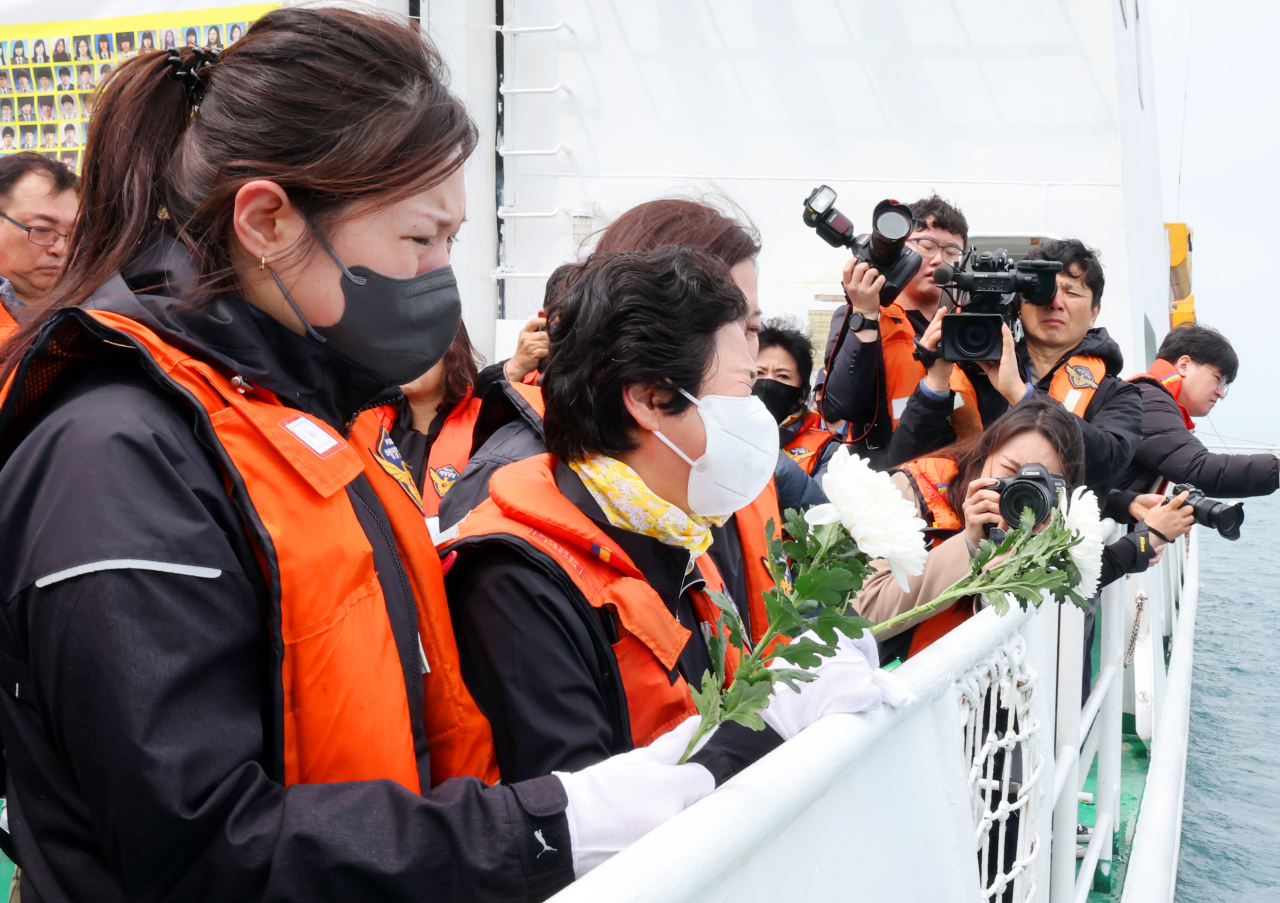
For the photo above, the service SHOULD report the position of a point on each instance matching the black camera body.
(1034, 487)
(973, 333)
(1225, 517)
(884, 247)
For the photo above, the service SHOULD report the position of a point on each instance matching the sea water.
(1231, 814)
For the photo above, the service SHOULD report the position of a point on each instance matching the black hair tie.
(191, 73)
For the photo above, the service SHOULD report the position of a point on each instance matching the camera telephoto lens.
(975, 339)
(893, 225)
(1022, 494)
(1224, 517)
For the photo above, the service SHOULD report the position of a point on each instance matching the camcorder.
(884, 247)
(972, 332)
(1034, 489)
(1225, 517)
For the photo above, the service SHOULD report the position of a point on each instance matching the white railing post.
(1107, 796)
(1152, 871)
(1062, 880)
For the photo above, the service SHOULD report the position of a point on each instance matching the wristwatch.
(859, 322)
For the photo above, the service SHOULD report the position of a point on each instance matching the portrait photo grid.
(50, 74)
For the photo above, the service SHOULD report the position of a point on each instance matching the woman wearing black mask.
(784, 371)
(238, 678)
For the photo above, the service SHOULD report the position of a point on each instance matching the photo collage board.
(50, 72)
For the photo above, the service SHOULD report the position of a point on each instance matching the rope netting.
(1005, 767)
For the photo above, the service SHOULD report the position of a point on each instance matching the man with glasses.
(1193, 369)
(871, 368)
(37, 209)
(1061, 354)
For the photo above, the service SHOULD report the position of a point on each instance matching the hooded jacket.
(148, 757)
(1170, 451)
(1111, 425)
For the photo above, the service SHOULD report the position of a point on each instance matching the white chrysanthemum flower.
(880, 520)
(1082, 520)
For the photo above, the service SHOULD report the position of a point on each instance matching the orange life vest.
(812, 437)
(1167, 375)
(346, 707)
(1074, 384)
(532, 394)
(448, 455)
(931, 476)
(8, 325)
(902, 372)
(525, 503)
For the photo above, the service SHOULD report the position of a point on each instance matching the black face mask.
(781, 400)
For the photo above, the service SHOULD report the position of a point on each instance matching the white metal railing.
(1153, 864)
(969, 795)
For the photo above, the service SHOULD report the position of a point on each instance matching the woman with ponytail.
(227, 666)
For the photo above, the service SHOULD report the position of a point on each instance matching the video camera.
(973, 333)
(1035, 488)
(1225, 517)
(884, 247)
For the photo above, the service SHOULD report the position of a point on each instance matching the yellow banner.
(49, 70)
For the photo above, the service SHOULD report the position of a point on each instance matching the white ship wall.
(1025, 113)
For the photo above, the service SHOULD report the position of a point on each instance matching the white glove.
(616, 802)
(850, 681)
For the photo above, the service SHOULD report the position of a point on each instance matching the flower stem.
(703, 730)
(948, 596)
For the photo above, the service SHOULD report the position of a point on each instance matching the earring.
(262, 264)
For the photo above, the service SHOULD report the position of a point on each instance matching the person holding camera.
(1061, 355)
(784, 368)
(957, 491)
(871, 370)
(1193, 370)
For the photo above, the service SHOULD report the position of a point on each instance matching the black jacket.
(537, 657)
(144, 756)
(1170, 451)
(1111, 426)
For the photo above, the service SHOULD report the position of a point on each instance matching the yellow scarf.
(631, 505)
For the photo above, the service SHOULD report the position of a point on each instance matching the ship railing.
(971, 794)
(1153, 862)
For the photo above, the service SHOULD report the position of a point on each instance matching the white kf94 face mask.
(742, 452)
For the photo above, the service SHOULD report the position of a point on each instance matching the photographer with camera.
(1192, 371)
(870, 368)
(1062, 355)
(966, 490)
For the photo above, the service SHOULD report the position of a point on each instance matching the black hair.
(1035, 415)
(1077, 259)
(1203, 345)
(935, 213)
(785, 333)
(14, 166)
(646, 318)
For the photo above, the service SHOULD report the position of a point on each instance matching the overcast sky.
(1228, 144)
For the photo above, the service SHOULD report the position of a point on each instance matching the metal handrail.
(558, 86)
(774, 791)
(1153, 863)
(504, 151)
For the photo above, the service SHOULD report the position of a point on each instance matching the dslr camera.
(973, 332)
(1225, 517)
(1033, 488)
(884, 247)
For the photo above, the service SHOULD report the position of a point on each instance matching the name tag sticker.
(312, 436)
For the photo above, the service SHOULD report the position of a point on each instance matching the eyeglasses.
(37, 235)
(1223, 386)
(928, 247)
